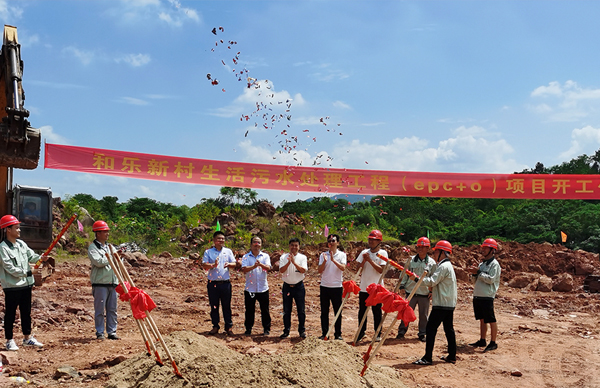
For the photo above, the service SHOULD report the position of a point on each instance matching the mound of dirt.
(207, 363)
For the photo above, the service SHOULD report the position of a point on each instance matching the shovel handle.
(64, 229)
(394, 264)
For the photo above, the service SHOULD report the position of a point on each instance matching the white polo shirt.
(369, 274)
(291, 274)
(332, 276)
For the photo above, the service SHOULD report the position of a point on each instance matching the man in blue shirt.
(217, 261)
(256, 264)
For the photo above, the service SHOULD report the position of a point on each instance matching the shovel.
(364, 318)
(389, 329)
(337, 315)
(148, 317)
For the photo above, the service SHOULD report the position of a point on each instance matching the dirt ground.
(546, 339)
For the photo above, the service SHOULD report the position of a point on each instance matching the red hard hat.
(100, 225)
(490, 242)
(376, 235)
(8, 220)
(423, 242)
(444, 246)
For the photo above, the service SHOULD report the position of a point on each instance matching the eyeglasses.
(331, 240)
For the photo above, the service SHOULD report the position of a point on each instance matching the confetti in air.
(272, 110)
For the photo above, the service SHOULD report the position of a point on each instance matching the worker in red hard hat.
(418, 264)
(17, 281)
(487, 282)
(372, 268)
(443, 302)
(104, 283)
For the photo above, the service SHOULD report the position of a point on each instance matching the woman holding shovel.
(17, 281)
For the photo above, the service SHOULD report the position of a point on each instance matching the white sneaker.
(32, 342)
(11, 345)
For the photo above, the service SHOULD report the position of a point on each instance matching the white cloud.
(265, 155)
(9, 13)
(170, 12)
(26, 40)
(85, 57)
(583, 141)
(50, 136)
(340, 104)
(265, 94)
(133, 101)
(471, 149)
(159, 97)
(327, 73)
(134, 60)
(565, 103)
(55, 85)
(553, 89)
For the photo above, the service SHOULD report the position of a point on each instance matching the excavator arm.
(19, 143)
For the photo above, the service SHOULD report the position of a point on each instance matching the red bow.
(390, 301)
(140, 301)
(350, 286)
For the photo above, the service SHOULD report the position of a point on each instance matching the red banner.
(318, 179)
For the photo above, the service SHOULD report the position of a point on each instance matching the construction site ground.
(546, 339)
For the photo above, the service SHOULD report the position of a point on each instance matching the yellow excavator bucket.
(19, 142)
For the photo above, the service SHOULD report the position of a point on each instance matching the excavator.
(20, 148)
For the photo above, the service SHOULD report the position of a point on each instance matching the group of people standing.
(437, 286)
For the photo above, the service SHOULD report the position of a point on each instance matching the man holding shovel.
(217, 261)
(443, 283)
(17, 281)
(418, 264)
(293, 266)
(372, 268)
(256, 264)
(104, 281)
(331, 267)
(487, 281)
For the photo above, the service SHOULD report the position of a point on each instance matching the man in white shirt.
(372, 267)
(331, 267)
(256, 264)
(293, 266)
(217, 261)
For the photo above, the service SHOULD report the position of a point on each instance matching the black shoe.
(214, 331)
(400, 336)
(100, 336)
(266, 332)
(303, 335)
(478, 344)
(448, 359)
(422, 338)
(322, 337)
(284, 335)
(113, 336)
(339, 338)
(422, 361)
(248, 332)
(491, 346)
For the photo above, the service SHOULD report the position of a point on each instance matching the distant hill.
(352, 198)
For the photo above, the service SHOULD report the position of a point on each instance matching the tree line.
(463, 221)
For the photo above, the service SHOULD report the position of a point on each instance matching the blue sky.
(446, 86)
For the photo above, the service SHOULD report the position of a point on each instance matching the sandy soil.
(545, 339)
